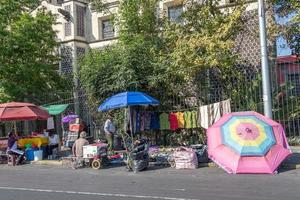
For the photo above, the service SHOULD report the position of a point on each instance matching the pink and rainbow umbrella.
(247, 142)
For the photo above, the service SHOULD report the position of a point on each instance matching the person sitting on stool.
(12, 148)
(53, 144)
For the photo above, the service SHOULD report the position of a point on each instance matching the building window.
(68, 23)
(66, 60)
(294, 81)
(174, 13)
(80, 13)
(107, 29)
(80, 52)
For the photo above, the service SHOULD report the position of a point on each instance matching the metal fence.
(244, 88)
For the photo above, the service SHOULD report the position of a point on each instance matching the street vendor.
(12, 147)
(77, 148)
(53, 143)
(109, 129)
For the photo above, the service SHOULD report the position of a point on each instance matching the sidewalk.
(292, 162)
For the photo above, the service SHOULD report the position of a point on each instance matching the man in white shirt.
(109, 129)
(53, 144)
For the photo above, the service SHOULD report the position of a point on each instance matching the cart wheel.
(96, 164)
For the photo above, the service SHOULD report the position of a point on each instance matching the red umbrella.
(15, 111)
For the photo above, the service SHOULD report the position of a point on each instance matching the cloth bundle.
(201, 152)
(185, 158)
(139, 156)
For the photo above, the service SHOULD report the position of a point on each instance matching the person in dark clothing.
(12, 147)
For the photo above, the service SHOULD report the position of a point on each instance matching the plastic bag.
(185, 158)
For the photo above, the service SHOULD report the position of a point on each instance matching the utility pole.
(267, 98)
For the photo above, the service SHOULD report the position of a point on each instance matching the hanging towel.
(134, 121)
(216, 114)
(194, 119)
(50, 123)
(154, 123)
(147, 120)
(164, 121)
(173, 121)
(203, 116)
(188, 119)
(180, 119)
(142, 118)
(226, 106)
(138, 121)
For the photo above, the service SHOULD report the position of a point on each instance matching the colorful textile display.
(164, 121)
(209, 114)
(188, 119)
(173, 121)
(194, 119)
(180, 119)
(154, 124)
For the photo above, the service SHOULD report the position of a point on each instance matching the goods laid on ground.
(185, 158)
(201, 152)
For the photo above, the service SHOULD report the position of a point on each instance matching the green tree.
(205, 38)
(134, 62)
(28, 47)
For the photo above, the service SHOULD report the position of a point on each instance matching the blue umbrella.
(126, 99)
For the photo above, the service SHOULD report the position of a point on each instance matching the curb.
(47, 162)
(290, 166)
(201, 165)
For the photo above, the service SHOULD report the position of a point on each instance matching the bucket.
(45, 153)
(38, 155)
(29, 154)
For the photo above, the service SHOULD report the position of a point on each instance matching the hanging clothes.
(164, 121)
(154, 122)
(142, 119)
(138, 121)
(180, 119)
(188, 119)
(209, 114)
(173, 121)
(134, 121)
(147, 120)
(226, 106)
(50, 123)
(203, 116)
(194, 119)
(215, 113)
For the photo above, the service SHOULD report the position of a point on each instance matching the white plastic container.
(38, 155)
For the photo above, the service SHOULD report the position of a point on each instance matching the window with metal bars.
(174, 13)
(67, 25)
(80, 17)
(107, 29)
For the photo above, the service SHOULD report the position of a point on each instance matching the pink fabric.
(185, 158)
(231, 162)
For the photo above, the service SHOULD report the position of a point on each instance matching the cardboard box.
(94, 150)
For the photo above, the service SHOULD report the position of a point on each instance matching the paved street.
(31, 182)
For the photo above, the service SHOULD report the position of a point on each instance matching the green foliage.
(27, 51)
(205, 39)
(134, 62)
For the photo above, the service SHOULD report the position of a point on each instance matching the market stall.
(19, 111)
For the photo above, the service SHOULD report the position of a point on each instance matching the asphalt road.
(31, 182)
